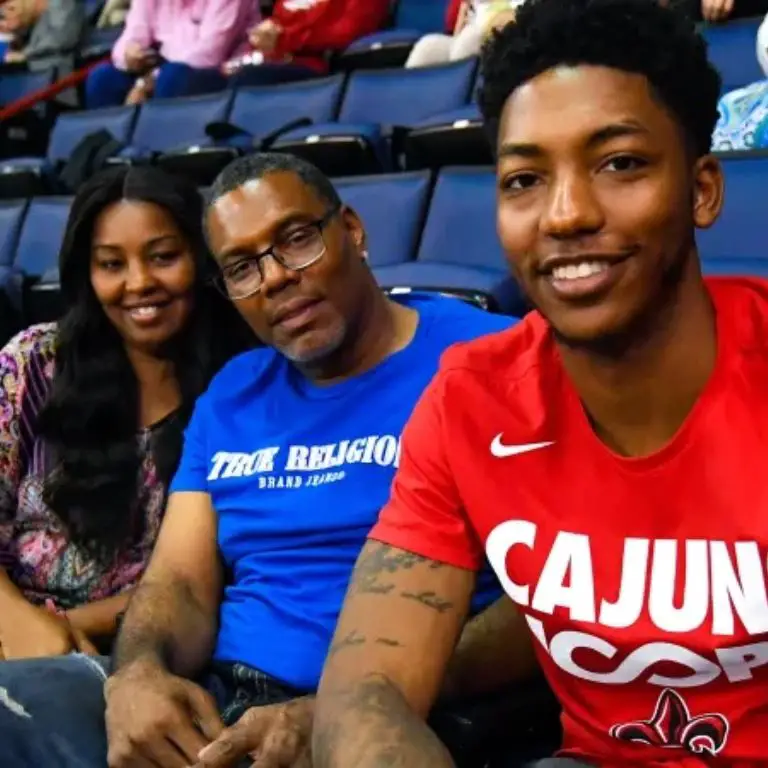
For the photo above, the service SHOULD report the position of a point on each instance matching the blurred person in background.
(44, 33)
(471, 21)
(171, 48)
(294, 42)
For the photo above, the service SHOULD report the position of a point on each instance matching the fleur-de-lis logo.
(672, 725)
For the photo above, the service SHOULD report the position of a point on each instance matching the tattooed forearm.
(430, 599)
(371, 726)
(354, 639)
(376, 567)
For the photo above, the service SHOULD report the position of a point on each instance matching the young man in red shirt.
(608, 454)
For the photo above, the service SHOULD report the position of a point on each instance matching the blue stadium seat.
(740, 230)
(27, 132)
(376, 102)
(460, 252)
(257, 116)
(166, 124)
(37, 257)
(738, 266)
(453, 137)
(98, 43)
(29, 176)
(731, 49)
(16, 85)
(390, 48)
(11, 217)
(382, 200)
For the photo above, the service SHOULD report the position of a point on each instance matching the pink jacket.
(201, 33)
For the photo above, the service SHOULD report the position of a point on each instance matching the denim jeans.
(52, 710)
(107, 86)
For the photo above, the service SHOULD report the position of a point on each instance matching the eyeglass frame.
(219, 280)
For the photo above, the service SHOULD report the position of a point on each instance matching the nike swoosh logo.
(502, 450)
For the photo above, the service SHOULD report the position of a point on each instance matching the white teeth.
(149, 311)
(576, 271)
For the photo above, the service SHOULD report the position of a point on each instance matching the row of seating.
(341, 122)
(445, 238)
(370, 121)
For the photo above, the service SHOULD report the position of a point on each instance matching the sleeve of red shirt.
(424, 514)
(452, 15)
(331, 25)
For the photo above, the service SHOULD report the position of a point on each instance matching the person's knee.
(428, 50)
(106, 86)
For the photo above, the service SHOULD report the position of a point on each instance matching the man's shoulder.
(509, 355)
(453, 321)
(243, 372)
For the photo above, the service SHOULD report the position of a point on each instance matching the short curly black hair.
(638, 36)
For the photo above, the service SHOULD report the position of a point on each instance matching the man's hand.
(264, 36)
(15, 57)
(141, 91)
(154, 718)
(716, 10)
(275, 736)
(139, 60)
(36, 632)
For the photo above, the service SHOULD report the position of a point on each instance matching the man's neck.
(638, 401)
(383, 328)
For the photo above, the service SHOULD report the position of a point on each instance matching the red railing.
(46, 94)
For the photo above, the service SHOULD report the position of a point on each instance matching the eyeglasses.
(296, 249)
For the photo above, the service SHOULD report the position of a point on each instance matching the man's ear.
(708, 191)
(354, 225)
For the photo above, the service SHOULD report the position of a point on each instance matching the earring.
(364, 254)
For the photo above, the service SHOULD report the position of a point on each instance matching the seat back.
(261, 110)
(20, 84)
(731, 48)
(165, 124)
(11, 217)
(461, 223)
(740, 229)
(421, 15)
(41, 235)
(72, 127)
(406, 96)
(384, 199)
(738, 266)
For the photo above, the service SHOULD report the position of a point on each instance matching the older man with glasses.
(288, 458)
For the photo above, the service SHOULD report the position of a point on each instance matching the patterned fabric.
(34, 548)
(743, 122)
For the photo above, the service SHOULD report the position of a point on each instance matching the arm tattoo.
(430, 599)
(381, 561)
(354, 638)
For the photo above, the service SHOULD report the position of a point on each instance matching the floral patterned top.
(34, 548)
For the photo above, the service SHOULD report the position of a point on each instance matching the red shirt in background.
(313, 27)
(452, 15)
(643, 581)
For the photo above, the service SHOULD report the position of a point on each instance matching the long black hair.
(90, 419)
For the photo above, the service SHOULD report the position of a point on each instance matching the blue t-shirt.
(297, 474)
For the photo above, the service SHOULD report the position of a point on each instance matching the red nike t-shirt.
(643, 581)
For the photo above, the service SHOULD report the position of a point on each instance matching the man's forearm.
(166, 625)
(371, 725)
(494, 650)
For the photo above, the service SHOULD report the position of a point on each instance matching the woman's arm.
(99, 618)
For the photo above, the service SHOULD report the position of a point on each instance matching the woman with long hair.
(92, 408)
